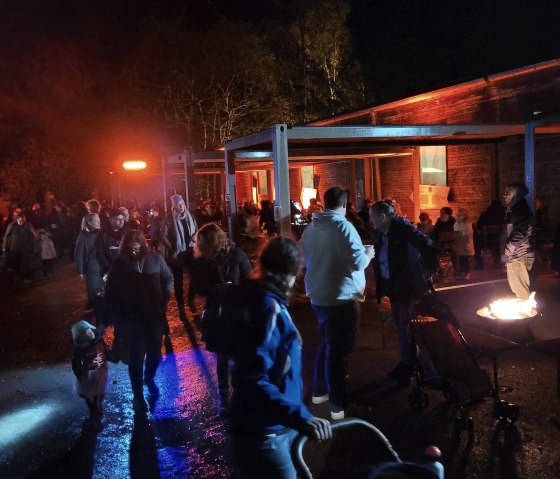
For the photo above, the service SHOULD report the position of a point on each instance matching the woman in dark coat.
(92, 260)
(138, 289)
(217, 260)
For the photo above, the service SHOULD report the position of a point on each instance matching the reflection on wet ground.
(44, 434)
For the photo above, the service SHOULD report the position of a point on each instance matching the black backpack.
(225, 322)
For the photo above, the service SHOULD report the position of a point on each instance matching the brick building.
(466, 175)
(476, 174)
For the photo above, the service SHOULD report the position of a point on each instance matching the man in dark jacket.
(518, 240)
(177, 236)
(405, 259)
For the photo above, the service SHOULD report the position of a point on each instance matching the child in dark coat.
(89, 363)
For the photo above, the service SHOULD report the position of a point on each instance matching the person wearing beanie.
(518, 240)
(47, 253)
(89, 364)
(177, 236)
(114, 232)
(266, 408)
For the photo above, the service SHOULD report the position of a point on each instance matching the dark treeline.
(86, 84)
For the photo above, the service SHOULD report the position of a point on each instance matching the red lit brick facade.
(476, 173)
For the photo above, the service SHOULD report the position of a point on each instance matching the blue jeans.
(338, 325)
(265, 455)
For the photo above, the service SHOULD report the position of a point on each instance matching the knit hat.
(79, 333)
(124, 211)
(115, 212)
(177, 199)
(281, 256)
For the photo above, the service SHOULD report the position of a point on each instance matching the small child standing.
(47, 253)
(464, 246)
(89, 363)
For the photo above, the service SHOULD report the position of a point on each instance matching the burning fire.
(512, 308)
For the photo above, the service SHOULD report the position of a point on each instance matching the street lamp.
(134, 165)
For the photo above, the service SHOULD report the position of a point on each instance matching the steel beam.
(398, 131)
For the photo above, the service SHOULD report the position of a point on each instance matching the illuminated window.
(433, 165)
(263, 183)
(307, 177)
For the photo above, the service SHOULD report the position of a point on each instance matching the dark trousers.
(22, 260)
(222, 368)
(338, 325)
(183, 262)
(47, 266)
(144, 341)
(402, 311)
(464, 264)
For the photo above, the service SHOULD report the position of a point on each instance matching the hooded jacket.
(267, 375)
(518, 235)
(335, 259)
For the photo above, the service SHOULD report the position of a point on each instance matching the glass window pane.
(433, 165)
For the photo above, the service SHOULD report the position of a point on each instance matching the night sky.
(404, 47)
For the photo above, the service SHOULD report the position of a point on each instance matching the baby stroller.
(446, 362)
(393, 467)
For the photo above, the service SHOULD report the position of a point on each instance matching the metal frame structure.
(336, 142)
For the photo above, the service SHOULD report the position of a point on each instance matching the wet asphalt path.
(44, 432)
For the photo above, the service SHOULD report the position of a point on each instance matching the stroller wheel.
(418, 400)
(511, 413)
(470, 429)
(458, 427)
(499, 410)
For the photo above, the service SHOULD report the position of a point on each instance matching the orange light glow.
(134, 165)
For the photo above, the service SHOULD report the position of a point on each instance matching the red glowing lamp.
(134, 165)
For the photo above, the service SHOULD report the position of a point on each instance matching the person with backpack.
(266, 408)
(217, 261)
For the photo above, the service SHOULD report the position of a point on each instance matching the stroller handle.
(301, 439)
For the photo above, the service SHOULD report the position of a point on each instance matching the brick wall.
(509, 98)
(332, 174)
(295, 183)
(243, 183)
(547, 169)
(396, 182)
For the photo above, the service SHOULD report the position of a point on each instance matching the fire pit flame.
(508, 309)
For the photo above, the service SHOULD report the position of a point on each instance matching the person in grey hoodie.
(335, 259)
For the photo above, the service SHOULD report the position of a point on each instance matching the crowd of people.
(129, 284)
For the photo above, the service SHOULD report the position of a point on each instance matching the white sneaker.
(320, 399)
(336, 416)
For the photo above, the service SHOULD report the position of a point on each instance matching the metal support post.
(231, 197)
(164, 183)
(281, 178)
(530, 163)
(190, 190)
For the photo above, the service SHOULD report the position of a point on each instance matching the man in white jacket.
(335, 259)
